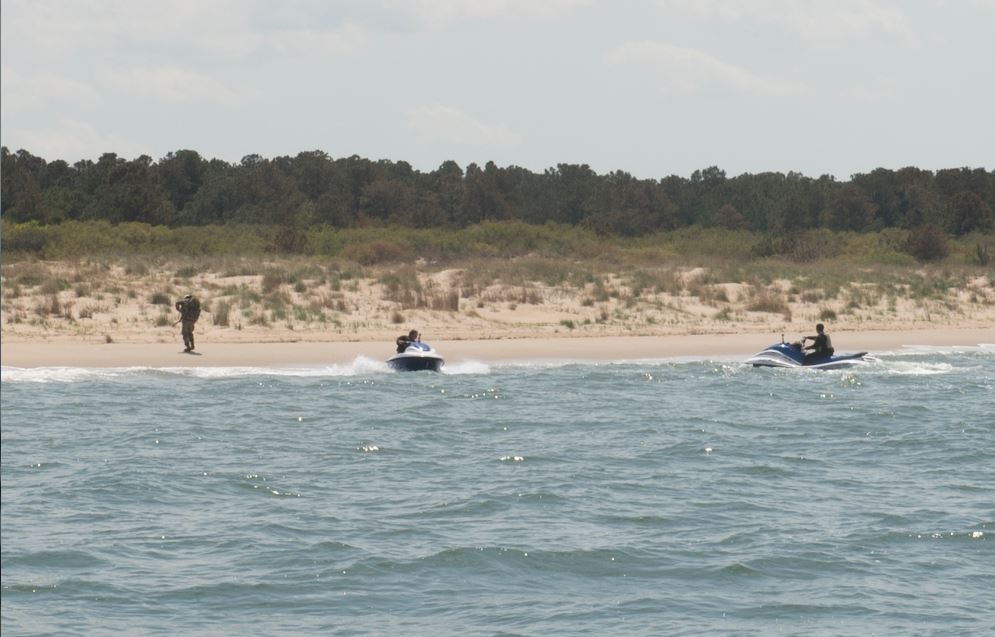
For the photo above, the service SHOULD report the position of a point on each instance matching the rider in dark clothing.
(404, 340)
(821, 345)
(189, 309)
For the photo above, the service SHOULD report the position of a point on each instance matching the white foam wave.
(360, 366)
(905, 368)
(938, 350)
(730, 361)
(466, 367)
(64, 374)
(893, 362)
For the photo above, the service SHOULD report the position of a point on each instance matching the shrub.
(695, 241)
(26, 274)
(373, 252)
(530, 296)
(159, 298)
(221, 313)
(811, 296)
(981, 253)
(729, 217)
(49, 306)
(768, 301)
(401, 284)
(136, 268)
(273, 278)
(448, 301)
(811, 245)
(324, 240)
(187, 271)
(30, 237)
(54, 285)
(927, 243)
(767, 246)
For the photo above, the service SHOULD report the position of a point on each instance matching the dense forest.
(312, 189)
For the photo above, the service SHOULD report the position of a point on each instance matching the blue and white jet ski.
(793, 355)
(417, 357)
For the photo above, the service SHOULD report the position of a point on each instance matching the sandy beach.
(305, 354)
(300, 313)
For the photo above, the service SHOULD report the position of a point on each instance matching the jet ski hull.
(792, 355)
(418, 357)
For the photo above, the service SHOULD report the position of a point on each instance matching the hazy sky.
(654, 87)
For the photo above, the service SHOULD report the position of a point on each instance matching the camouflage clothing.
(189, 309)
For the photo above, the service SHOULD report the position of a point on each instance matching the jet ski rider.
(404, 340)
(821, 345)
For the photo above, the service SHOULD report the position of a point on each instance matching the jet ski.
(793, 355)
(416, 357)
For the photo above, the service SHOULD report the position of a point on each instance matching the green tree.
(881, 187)
(729, 217)
(482, 196)
(920, 206)
(385, 200)
(849, 209)
(181, 175)
(447, 184)
(970, 213)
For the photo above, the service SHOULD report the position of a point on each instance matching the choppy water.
(644, 498)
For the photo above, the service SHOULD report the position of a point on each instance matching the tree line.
(313, 189)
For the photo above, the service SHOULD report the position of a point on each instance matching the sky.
(653, 88)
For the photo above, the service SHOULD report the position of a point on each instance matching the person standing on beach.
(821, 345)
(189, 309)
(404, 340)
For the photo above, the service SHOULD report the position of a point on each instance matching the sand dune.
(100, 315)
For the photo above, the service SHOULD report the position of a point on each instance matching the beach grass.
(550, 280)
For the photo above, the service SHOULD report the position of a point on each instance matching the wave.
(466, 367)
(926, 360)
(987, 349)
(67, 374)
(904, 368)
(895, 362)
(360, 366)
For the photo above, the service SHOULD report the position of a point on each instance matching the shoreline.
(594, 349)
(302, 311)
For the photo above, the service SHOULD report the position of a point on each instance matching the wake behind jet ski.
(414, 356)
(823, 356)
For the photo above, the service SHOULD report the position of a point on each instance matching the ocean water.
(678, 497)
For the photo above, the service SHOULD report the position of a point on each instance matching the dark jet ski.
(793, 355)
(416, 357)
